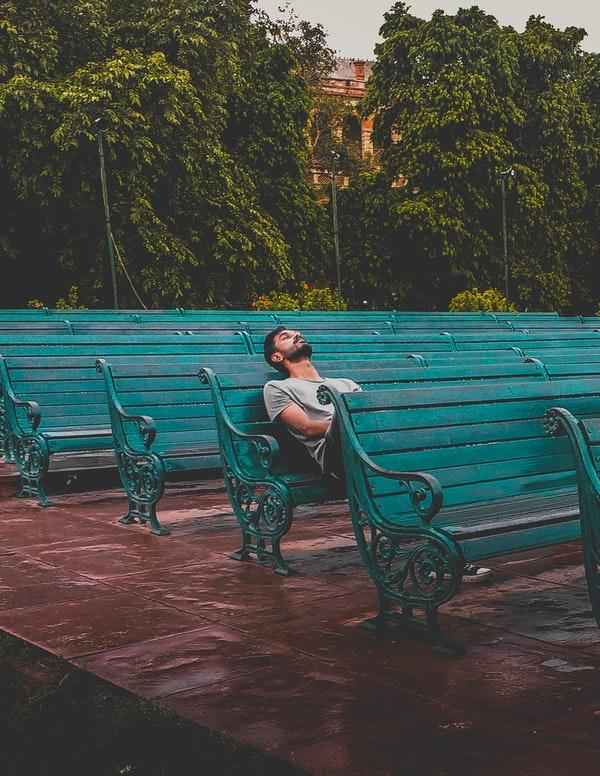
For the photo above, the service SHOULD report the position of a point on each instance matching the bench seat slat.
(486, 547)
(69, 421)
(490, 490)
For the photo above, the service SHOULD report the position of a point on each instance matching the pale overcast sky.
(353, 25)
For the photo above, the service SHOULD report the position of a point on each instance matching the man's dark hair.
(269, 348)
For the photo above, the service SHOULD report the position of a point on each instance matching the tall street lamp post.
(109, 236)
(335, 157)
(504, 175)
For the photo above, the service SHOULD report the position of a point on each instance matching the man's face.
(291, 346)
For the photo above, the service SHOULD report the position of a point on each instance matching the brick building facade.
(347, 82)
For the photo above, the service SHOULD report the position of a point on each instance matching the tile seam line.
(132, 574)
(185, 611)
(71, 658)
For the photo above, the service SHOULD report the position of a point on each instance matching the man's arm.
(295, 418)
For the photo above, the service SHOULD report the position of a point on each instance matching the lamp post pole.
(109, 236)
(336, 234)
(503, 176)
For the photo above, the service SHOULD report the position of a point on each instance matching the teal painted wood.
(163, 420)
(57, 327)
(572, 355)
(492, 340)
(263, 493)
(364, 344)
(443, 473)
(49, 348)
(58, 404)
(328, 327)
(52, 345)
(266, 472)
(120, 315)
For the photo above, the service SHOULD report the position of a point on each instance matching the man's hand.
(295, 418)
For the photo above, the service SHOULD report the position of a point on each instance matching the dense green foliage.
(305, 297)
(210, 112)
(458, 99)
(472, 300)
(204, 106)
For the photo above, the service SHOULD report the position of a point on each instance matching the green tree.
(195, 213)
(457, 99)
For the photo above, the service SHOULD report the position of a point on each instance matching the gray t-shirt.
(279, 394)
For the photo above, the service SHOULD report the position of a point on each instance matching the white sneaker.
(472, 573)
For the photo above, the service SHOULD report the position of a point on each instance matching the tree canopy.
(458, 99)
(209, 112)
(203, 106)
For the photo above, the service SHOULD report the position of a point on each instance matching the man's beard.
(303, 351)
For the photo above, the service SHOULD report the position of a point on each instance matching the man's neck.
(303, 370)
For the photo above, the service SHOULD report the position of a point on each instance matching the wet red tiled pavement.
(282, 664)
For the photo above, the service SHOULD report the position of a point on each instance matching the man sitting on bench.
(294, 403)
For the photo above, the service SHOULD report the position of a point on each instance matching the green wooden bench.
(41, 350)
(366, 345)
(267, 473)
(53, 400)
(163, 421)
(460, 341)
(162, 427)
(437, 476)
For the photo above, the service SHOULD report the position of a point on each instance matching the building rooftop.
(352, 69)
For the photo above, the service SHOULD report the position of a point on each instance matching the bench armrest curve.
(266, 446)
(559, 420)
(425, 490)
(32, 408)
(145, 424)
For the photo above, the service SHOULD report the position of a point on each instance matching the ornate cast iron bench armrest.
(427, 499)
(425, 490)
(560, 421)
(32, 408)
(146, 424)
(264, 443)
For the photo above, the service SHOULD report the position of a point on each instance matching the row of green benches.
(242, 342)
(173, 326)
(100, 322)
(156, 408)
(32, 354)
(422, 319)
(436, 474)
(277, 316)
(59, 405)
(47, 350)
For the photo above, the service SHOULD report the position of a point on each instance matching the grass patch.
(56, 720)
